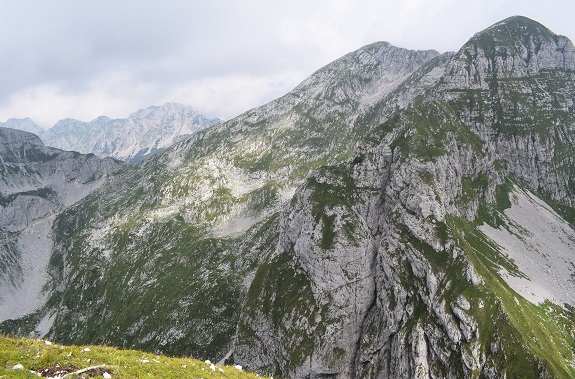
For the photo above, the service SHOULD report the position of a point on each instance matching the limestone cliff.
(380, 270)
(37, 183)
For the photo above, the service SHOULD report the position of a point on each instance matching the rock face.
(361, 226)
(513, 85)
(142, 134)
(37, 183)
(375, 271)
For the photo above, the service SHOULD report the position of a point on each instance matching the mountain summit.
(398, 214)
(25, 124)
(514, 47)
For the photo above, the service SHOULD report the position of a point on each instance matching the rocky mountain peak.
(372, 68)
(25, 124)
(17, 145)
(16, 138)
(517, 28)
(514, 47)
(496, 81)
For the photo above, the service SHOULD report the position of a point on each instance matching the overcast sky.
(82, 59)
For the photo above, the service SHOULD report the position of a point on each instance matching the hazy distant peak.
(25, 124)
(131, 139)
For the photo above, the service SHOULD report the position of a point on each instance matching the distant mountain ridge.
(25, 124)
(130, 139)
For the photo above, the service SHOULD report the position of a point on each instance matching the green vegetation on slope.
(425, 132)
(181, 289)
(282, 290)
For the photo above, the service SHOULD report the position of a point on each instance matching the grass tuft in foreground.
(31, 358)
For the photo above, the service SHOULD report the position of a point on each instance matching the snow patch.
(542, 245)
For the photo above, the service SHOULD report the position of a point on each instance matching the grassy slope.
(36, 355)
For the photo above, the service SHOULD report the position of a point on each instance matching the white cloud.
(114, 94)
(230, 95)
(117, 94)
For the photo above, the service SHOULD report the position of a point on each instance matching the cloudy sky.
(82, 59)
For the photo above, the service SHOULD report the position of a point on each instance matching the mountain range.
(399, 213)
(131, 139)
